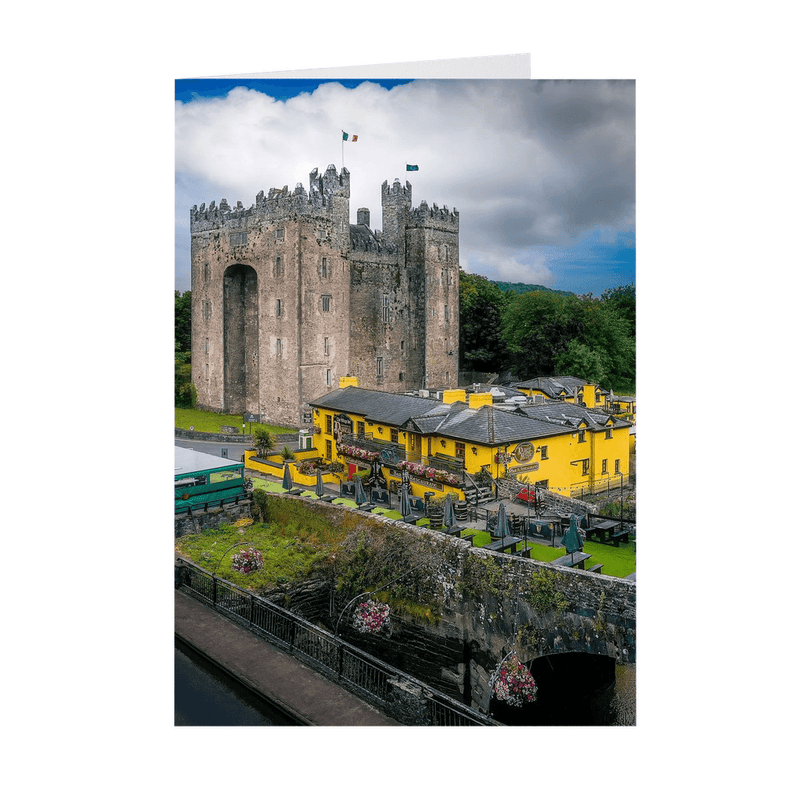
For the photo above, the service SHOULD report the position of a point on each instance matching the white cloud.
(526, 164)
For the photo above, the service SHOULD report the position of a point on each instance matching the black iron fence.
(398, 694)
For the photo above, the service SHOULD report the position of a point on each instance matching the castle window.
(205, 272)
(278, 266)
(326, 302)
(238, 239)
(278, 348)
(326, 346)
(206, 348)
(446, 313)
(321, 233)
(279, 308)
(402, 344)
(328, 378)
(401, 376)
(386, 308)
(324, 269)
(380, 367)
(206, 371)
(279, 234)
(447, 253)
(206, 310)
(449, 277)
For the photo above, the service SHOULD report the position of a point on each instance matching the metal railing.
(322, 651)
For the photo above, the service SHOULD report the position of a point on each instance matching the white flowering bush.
(248, 560)
(515, 684)
(371, 616)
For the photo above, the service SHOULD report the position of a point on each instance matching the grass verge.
(210, 422)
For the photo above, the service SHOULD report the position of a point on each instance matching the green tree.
(264, 440)
(482, 344)
(183, 322)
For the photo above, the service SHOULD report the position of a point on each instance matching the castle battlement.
(442, 218)
(277, 204)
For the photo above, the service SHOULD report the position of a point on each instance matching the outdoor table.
(508, 542)
(412, 519)
(366, 506)
(575, 560)
(455, 529)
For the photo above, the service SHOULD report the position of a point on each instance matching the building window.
(380, 367)
(460, 449)
(585, 466)
(581, 436)
(386, 308)
(324, 268)
(608, 433)
(616, 466)
(328, 423)
(206, 350)
(279, 234)
(326, 346)
(544, 452)
(279, 308)
(604, 466)
(395, 436)
(328, 378)
(279, 348)
(328, 450)
(278, 266)
(402, 344)
(448, 273)
(360, 429)
(326, 302)
(206, 371)
(206, 311)
(321, 233)
(401, 376)
(446, 313)
(205, 272)
(238, 239)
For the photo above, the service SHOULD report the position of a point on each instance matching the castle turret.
(395, 206)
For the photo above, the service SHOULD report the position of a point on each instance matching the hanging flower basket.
(514, 683)
(371, 616)
(248, 560)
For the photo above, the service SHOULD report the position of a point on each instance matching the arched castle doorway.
(240, 339)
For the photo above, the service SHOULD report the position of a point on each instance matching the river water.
(204, 695)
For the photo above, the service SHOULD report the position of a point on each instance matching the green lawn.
(617, 561)
(209, 422)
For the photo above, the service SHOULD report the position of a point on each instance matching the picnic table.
(601, 529)
(575, 560)
(413, 519)
(506, 543)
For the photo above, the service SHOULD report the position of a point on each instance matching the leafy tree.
(183, 322)
(623, 300)
(482, 345)
(264, 441)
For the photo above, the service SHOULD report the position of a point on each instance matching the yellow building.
(445, 444)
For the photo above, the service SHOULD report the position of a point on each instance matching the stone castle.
(288, 297)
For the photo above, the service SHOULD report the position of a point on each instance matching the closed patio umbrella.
(361, 495)
(501, 529)
(320, 485)
(572, 539)
(449, 512)
(405, 503)
(288, 483)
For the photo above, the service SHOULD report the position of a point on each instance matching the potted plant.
(287, 454)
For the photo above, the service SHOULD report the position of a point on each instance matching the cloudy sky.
(542, 173)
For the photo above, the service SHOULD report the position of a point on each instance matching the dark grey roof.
(571, 413)
(555, 385)
(392, 409)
